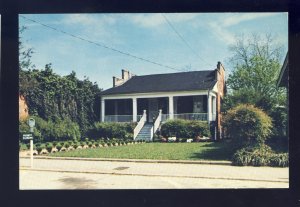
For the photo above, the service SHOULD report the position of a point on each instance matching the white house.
(152, 99)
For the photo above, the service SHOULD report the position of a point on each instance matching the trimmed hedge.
(260, 155)
(185, 128)
(111, 130)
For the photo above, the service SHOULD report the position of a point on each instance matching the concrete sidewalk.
(214, 162)
(158, 169)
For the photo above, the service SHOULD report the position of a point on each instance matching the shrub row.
(69, 145)
(260, 155)
(111, 130)
(185, 129)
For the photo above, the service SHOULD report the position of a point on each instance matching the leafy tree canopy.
(256, 65)
(53, 97)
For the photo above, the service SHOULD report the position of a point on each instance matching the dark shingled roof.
(184, 81)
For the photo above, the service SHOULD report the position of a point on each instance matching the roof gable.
(184, 81)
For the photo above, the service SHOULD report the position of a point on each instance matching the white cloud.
(221, 33)
(220, 27)
(238, 18)
(157, 19)
(89, 19)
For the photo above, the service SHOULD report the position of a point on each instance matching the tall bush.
(185, 128)
(247, 124)
(58, 130)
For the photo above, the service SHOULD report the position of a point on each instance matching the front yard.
(160, 151)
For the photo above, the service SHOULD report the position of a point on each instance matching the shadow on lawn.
(215, 151)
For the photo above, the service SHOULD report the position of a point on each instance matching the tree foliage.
(256, 64)
(53, 97)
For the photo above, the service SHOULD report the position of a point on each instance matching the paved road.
(79, 174)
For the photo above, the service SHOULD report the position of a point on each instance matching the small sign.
(27, 136)
(31, 122)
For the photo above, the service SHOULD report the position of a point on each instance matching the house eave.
(155, 94)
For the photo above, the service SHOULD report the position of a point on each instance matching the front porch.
(189, 107)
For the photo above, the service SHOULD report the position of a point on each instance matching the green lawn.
(163, 151)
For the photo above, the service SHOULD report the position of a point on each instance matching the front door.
(153, 109)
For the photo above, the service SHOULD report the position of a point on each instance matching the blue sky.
(207, 37)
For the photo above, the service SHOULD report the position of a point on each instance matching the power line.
(100, 44)
(181, 37)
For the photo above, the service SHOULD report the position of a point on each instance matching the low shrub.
(185, 128)
(49, 147)
(58, 146)
(259, 155)
(280, 160)
(241, 157)
(75, 145)
(54, 143)
(40, 147)
(66, 145)
(22, 146)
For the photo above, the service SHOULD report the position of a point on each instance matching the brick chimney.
(220, 77)
(126, 75)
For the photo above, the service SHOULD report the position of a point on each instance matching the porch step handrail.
(156, 124)
(140, 125)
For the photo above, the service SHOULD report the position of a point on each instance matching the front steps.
(145, 133)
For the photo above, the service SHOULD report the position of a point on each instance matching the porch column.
(102, 110)
(171, 107)
(214, 109)
(134, 110)
(208, 107)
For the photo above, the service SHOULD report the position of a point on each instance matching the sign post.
(31, 123)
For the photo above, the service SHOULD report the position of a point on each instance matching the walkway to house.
(58, 174)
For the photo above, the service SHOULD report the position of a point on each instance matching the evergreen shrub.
(111, 130)
(185, 128)
(246, 124)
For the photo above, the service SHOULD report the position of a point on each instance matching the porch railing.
(192, 116)
(140, 125)
(164, 117)
(118, 118)
(156, 124)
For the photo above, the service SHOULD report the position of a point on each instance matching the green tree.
(25, 53)
(256, 64)
(53, 97)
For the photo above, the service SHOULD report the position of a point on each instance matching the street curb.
(148, 175)
(135, 160)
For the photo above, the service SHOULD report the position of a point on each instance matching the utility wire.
(181, 37)
(100, 44)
